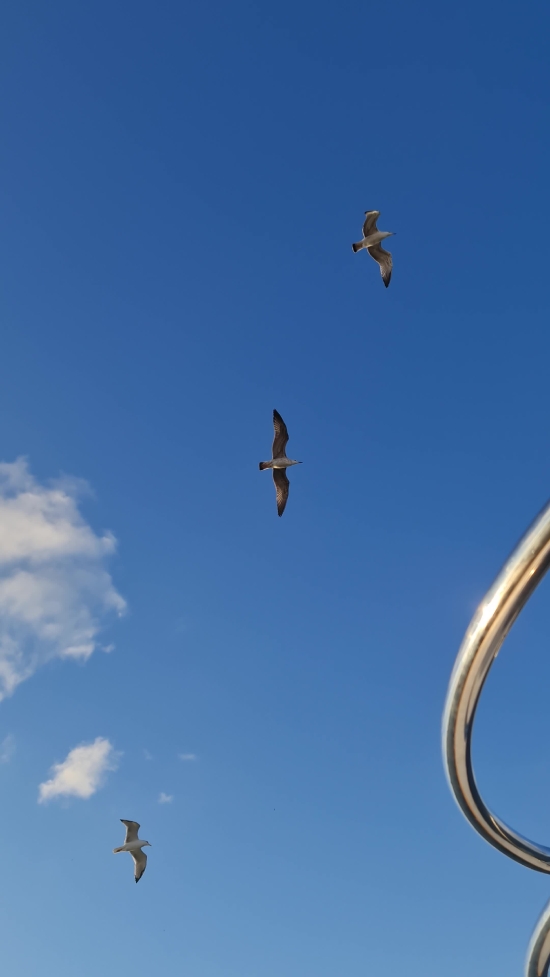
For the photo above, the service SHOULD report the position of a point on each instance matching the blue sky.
(180, 187)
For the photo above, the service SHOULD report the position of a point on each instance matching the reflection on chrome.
(538, 952)
(493, 619)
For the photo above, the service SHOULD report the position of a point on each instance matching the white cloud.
(188, 756)
(165, 798)
(7, 748)
(82, 772)
(54, 588)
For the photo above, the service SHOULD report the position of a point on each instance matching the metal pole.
(490, 624)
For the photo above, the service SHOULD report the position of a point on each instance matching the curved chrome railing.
(493, 619)
(538, 951)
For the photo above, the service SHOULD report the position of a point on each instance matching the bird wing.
(281, 436)
(282, 486)
(132, 828)
(140, 863)
(384, 259)
(371, 216)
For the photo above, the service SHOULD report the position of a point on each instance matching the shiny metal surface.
(488, 628)
(494, 617)
(538, 951)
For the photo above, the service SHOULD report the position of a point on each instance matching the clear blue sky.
(179, 189)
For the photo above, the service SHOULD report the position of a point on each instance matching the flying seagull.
(279, 462)
(133, 844)
(371, 241)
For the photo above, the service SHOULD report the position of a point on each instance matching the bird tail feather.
(264, 464)
(357, 247)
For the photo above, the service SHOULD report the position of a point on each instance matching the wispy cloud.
(54, 588)
(165, 798)
(7, 748)
(188, 756)
(147, 755)
(82, 772)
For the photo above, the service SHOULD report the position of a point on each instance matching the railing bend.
(494, 617)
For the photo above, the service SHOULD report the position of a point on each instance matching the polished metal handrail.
(538, 951)
(493, 619)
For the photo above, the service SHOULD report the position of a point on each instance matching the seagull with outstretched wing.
(371, 241)
(279, 462)
(134, 845)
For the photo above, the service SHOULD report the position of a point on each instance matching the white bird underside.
(132, 828)
(132, 845)
(140, 863)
